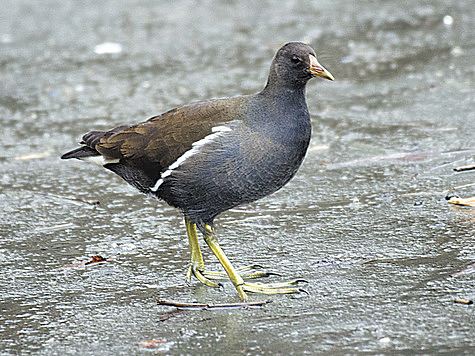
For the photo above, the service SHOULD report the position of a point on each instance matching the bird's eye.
(295, 59)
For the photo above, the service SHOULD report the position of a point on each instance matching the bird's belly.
(219, 179)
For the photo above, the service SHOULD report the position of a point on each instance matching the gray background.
(364, 221)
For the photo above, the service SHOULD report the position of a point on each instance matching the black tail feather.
(80, 152)
(92, 138)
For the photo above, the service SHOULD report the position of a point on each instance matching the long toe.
(274, 288)
(254, 273)
(201, 277)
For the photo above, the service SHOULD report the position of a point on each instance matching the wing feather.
(161, 140)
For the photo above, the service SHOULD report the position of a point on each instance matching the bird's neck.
(285, 97)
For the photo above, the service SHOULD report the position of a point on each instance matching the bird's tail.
(90, 140)
(81, 153)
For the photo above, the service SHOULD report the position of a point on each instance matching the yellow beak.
(318, 70)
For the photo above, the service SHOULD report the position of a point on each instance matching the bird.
(210, 156)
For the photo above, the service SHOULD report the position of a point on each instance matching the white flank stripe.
(99, 160)
(195, 148)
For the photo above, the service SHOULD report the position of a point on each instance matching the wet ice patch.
(448, 20)
(6, 38)
(108, 48)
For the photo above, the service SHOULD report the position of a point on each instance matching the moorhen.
(210, 156)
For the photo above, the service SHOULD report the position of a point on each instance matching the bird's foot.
(247, 272)
(274, 288)
(208, 277)
(202, 276)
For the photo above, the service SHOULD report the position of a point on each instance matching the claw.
(274, 274)
(256, 266)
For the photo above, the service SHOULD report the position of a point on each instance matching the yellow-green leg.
(237, 280)
(211, 240)
(197, 265)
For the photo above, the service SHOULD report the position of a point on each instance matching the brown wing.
(160, 140)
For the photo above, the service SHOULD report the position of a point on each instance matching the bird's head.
(295, 63)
